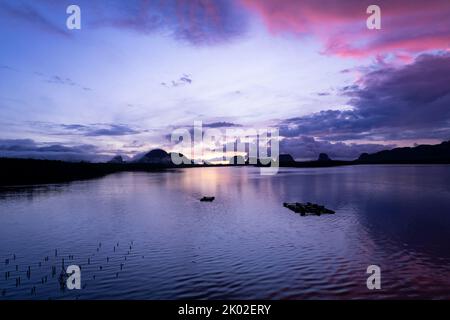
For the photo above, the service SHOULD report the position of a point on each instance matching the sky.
(139, 69)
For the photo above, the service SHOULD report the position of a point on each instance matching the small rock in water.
(207, 199)
(307, 208)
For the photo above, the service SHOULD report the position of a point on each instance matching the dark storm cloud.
(406, 102)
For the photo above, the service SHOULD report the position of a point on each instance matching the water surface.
(147, 236)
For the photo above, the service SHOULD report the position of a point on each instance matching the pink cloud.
(408, 26)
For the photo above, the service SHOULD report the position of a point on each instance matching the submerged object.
(307, 208)
(207, 199)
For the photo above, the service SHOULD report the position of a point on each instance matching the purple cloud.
(100, 129)
(30, 14)
(391, 102)
(27, 148)
(87, 130)
(198, 22)
(195, 21)
(221, 124)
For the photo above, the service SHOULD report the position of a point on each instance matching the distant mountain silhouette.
(15, 171)
(116, 159)
(439, 153)
(323, 157)
(161, 157)
(423, 154)
(285, 158)
(156, 156)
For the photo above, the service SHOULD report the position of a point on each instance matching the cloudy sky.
(139, 69)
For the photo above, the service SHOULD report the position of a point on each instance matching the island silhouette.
(18, 171)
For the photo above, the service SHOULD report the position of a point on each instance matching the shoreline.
(25, 172)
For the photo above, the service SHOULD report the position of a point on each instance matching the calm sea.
(147, 235)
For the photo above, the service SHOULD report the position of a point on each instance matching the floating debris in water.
(307, 208)
(207, 199)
